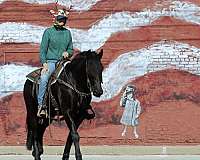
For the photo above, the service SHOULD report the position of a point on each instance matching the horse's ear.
(100, 54)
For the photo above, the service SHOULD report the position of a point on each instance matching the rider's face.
(60, 23)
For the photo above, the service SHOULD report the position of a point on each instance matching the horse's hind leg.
(36, 151)
(32, 136)
(40, 132)
(33, 139)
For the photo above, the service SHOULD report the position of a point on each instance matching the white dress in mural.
(131, 112)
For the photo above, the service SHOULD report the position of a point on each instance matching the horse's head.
(94, 70)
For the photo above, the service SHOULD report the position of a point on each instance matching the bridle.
(88, 80)
(72, 86)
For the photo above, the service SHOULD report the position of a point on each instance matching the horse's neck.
(77, 76)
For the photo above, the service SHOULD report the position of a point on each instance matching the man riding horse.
(56, 43)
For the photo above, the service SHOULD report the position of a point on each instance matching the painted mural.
(152, 44)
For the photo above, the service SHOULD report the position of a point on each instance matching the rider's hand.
(45, 68)
(65, 54)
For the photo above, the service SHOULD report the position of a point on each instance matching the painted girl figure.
(132, 110)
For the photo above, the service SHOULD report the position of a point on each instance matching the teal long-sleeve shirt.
(54, 43)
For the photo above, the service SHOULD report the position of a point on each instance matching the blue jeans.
(44, 78)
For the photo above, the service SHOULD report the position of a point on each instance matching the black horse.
(72, 92)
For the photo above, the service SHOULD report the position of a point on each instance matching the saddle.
(34, 76)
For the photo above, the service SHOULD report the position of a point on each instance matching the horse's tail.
(29, 107)
(29, 139)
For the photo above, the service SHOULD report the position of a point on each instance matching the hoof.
(79, 157)
(33, 153)
(40, 153)
(65, 157)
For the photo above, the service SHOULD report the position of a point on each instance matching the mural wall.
(152, 44)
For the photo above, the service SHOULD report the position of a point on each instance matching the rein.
(73, 88)
(70, 85)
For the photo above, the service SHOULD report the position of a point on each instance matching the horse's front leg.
(69, 140)
(74, 134)
(67, 147)
(36, 152)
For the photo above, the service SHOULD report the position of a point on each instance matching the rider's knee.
(44, 78)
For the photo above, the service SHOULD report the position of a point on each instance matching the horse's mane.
(83, 55)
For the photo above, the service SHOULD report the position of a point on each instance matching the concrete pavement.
(109, 150)
(105, 157)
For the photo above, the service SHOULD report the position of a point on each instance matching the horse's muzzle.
(97, 93)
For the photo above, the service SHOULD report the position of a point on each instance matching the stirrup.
(42, 112)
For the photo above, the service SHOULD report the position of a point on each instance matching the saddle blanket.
(35, 75)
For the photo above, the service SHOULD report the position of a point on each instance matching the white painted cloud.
(13, 77)
(99, 33)
(134, 64)
(20, 32)
(125, 68)
(79, 5)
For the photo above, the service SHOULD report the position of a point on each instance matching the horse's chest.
(83, 101)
